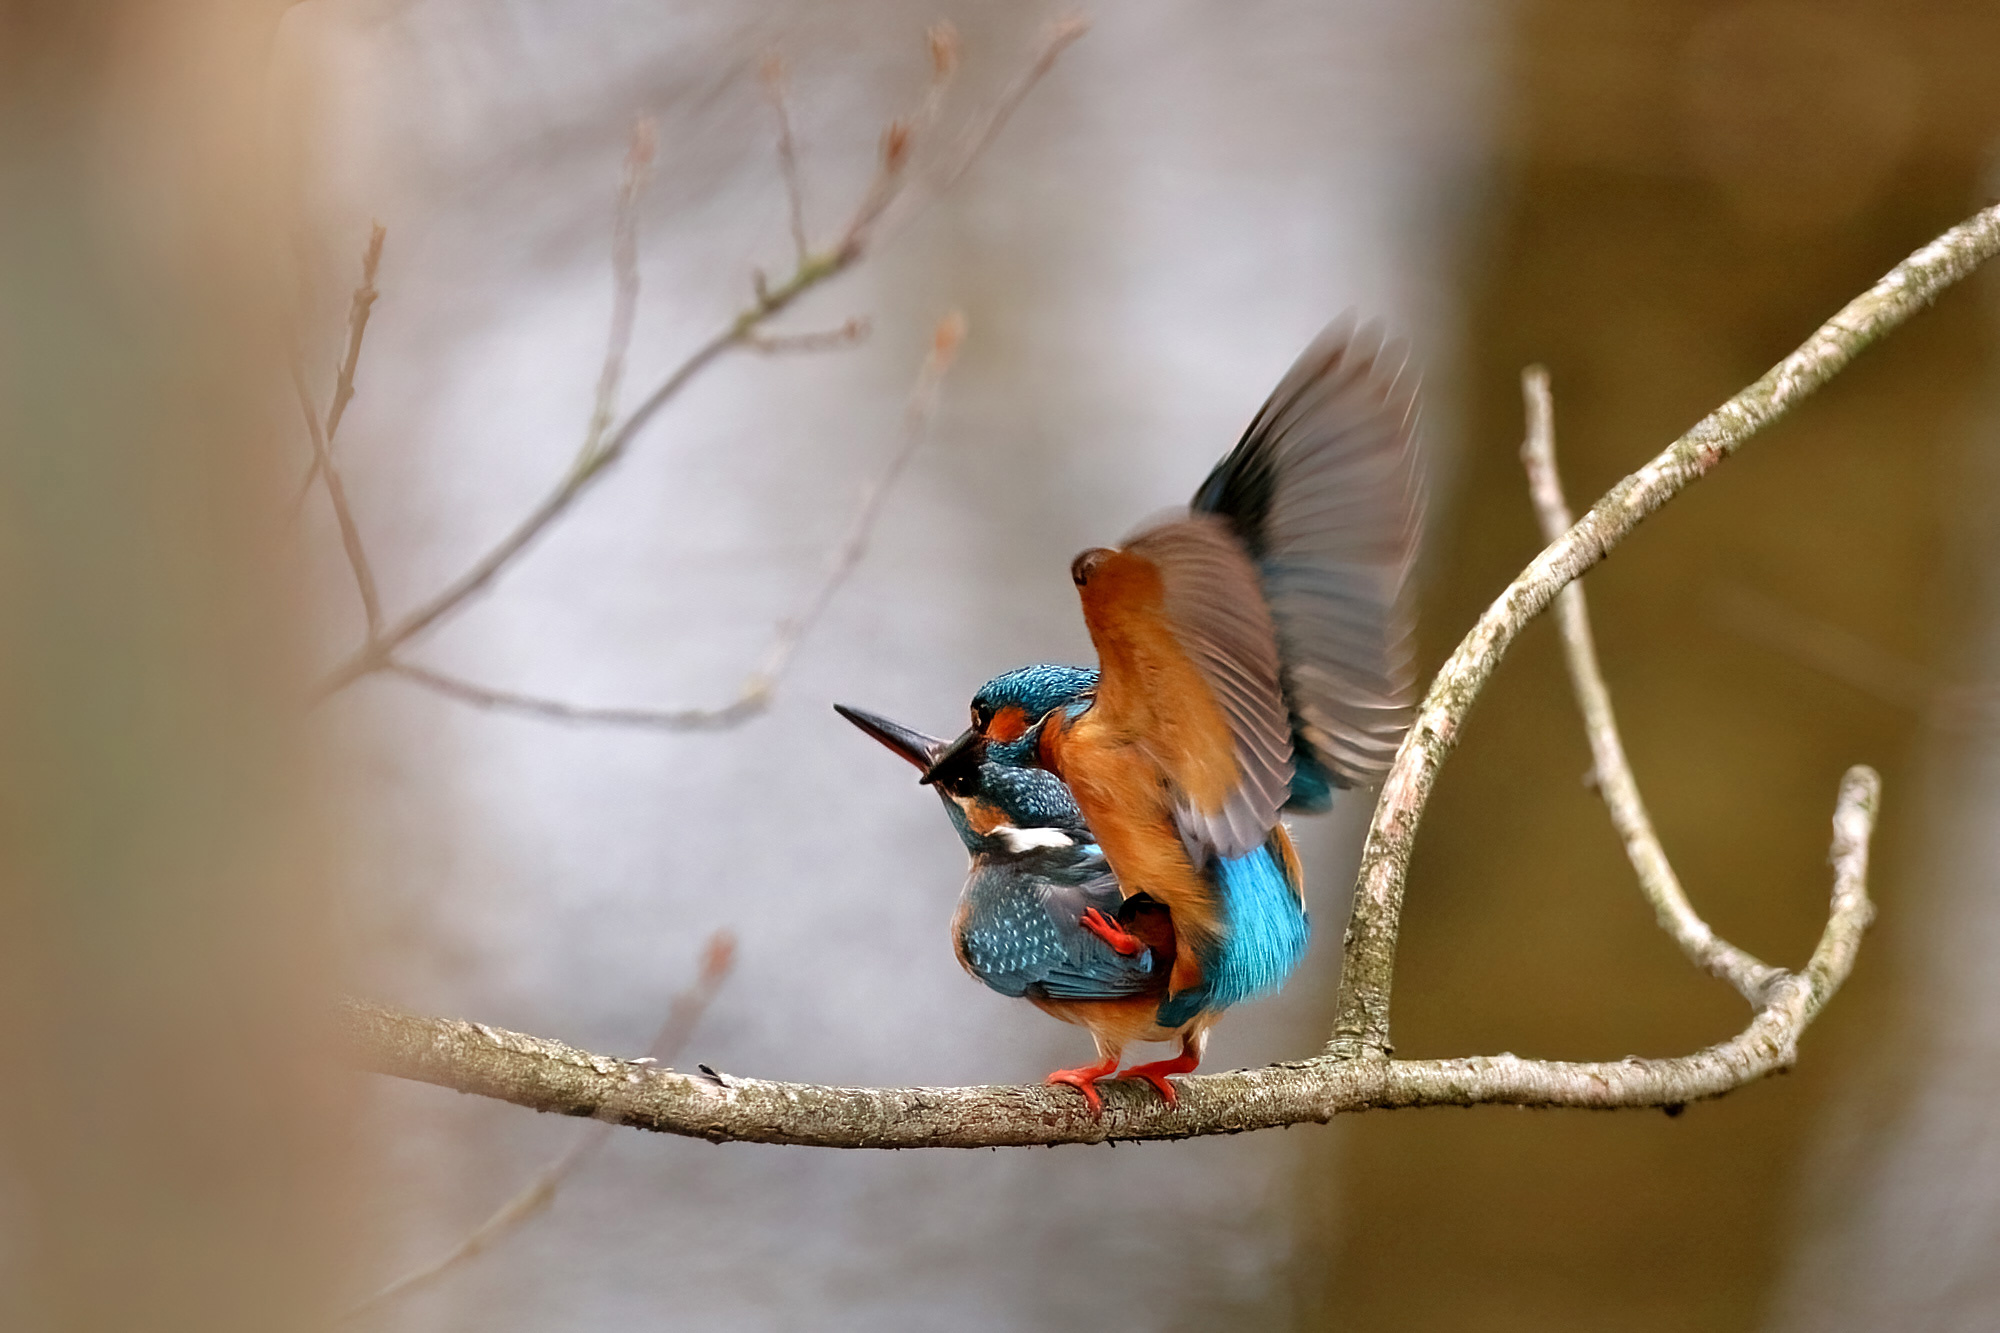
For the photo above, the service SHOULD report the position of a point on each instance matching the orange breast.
(1123, 797)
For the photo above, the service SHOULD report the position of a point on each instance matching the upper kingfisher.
(1254, 655)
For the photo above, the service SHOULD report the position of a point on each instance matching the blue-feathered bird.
(1254, 655)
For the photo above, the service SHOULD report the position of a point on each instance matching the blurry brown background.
(1685, 189)
(1656, 201)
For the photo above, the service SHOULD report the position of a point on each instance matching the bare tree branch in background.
(1615, 782)
(755, 695)
(358, 308)
(718, 957)
(1355, 1072)
(1850, 659)
(603, 449)
(788, 159)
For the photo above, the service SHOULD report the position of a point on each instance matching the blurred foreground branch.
(1355, 1072)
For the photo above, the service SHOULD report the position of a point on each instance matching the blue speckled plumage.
(1018, 927)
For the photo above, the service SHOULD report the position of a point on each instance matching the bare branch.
(788, 160)
(625, 285)
(1615, 782)
(849, 333)
(358, 309)
(1362, 1023)
(549, 1076)
(378, 653)
(756, 694)
(917, 418)
(336, 494)
(718, 956)
(747, 704)
(1829, 650)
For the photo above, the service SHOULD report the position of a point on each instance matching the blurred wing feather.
(1190, 671)
(1325, 493)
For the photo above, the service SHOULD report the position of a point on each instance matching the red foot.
(1156, 1073)
(1084, 1081)
(1113, 934)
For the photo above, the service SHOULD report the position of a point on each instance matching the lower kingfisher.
(1130, 872)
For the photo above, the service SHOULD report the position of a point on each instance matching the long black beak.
(942, 764)
(915, 747)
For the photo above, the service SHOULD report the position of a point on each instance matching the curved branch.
(1361, 1026)
(549, 1076)
(1615, 782)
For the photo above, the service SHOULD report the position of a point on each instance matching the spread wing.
(1325, 493)
(1189, 664)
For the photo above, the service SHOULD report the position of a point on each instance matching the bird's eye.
(981, 715)
(1081, 568)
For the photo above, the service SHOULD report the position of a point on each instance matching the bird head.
(997, 795)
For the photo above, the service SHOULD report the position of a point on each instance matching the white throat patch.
(1030, 839)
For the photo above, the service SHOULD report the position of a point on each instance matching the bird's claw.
(1113, 934)
(1156, 1074)
(1084, 1080)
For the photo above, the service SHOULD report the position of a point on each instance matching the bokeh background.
(1656, 201)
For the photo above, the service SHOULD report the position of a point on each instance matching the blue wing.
(1019, 930)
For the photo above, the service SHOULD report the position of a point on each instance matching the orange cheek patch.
(982, 817)
(1008, 725)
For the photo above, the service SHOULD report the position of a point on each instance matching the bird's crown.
(1007, 708)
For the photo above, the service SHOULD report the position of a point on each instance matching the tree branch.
(1613, 771)
(755, 696)
(549, 1076)
(683, 1015)
(788, 159)
(1361, 1025)
(378, 653)
(343, 516)
(358, 309)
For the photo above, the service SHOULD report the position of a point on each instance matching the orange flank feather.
(1186, 743)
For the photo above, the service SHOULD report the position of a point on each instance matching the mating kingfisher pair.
(1130, 872)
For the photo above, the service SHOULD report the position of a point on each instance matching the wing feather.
(1190, 671)
(1325, 493)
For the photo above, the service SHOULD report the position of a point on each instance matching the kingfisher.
(1130, 870)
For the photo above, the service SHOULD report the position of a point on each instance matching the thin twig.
(718, 956)
(336, 494)
(1055, 40)
(854, 330)
(378, 653)
(1828, 649)
(757, 691)
(358, 308)
(624, 283)
(549, 1076)
(900, 140)
(788, 159)
(1615, 781)
(1361, 1026)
